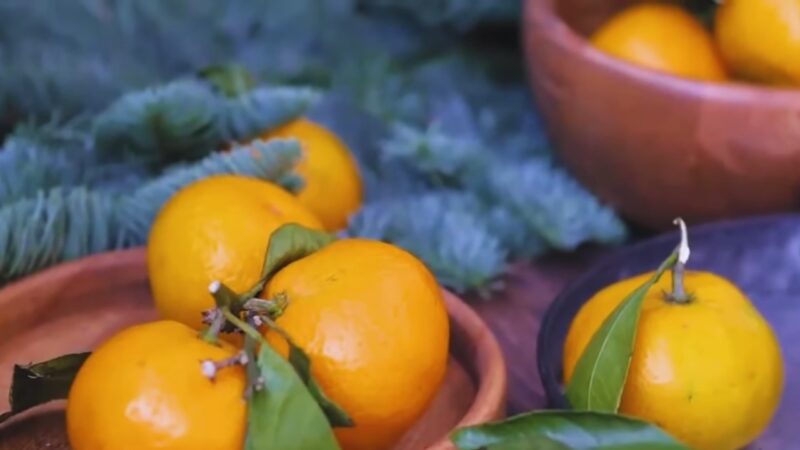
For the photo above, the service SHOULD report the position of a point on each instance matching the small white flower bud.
(214, 286)
(209, 369)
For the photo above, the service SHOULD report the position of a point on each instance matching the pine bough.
(456, 165)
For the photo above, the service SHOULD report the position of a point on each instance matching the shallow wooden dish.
(73, 307)
(653, 145)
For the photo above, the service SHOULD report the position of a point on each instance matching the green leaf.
(543, 444)
(283, 414)
(570, 430)
(287, 244)
(602, 369)
(42, 382)
(337, 417)
(298, 358)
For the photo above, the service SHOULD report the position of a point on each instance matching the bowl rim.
(491, 389)
(487, 368)
(542, 14)
(547, 351)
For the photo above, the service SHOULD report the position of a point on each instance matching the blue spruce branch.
(553, 204)
(35, 158)
(459, 14)
(272, 161)
(68, 223)
(55, 226)
(434, 130)
(441, 157)
(252, 113)
(447, 231)
(186, 120)
(159, 126)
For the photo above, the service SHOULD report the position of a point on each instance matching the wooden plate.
(75, 306)
(762, 256)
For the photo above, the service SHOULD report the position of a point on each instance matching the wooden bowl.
(653, 145)
(75, 306)
(760, 255)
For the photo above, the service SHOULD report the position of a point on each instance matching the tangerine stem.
(276, 328)
(273, 307)
(215, 319)
(211, 333)
(211, 368)
(255, 382)
(679, 294)
(224, 297)
(242, 325)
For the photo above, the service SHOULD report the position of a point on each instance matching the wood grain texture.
(515, 314)
(75, 306)
(653, 145)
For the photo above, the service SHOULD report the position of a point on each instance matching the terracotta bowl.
(653, 145)
(75, 306)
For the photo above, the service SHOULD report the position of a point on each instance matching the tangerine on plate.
(215, 229)
(372, 319)
(143, 389)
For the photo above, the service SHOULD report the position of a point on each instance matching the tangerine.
(215, 229)
(332, 187)
(662, 37)
(708, 370)
(760, 39)
(144, 389)
(372, 319)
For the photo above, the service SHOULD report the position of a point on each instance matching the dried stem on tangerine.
(679, 294)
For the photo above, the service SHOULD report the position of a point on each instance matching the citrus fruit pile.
(273, 335)
(753, 40)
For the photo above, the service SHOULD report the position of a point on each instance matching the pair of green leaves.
(285, 414)
(566, 430)
(290, 412)
(594, 392)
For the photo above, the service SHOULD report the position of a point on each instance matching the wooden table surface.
(514, 316)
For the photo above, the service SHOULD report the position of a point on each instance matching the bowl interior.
(761, 255)
(585, 16)
(74, 307)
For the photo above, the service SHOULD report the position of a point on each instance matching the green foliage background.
(116, 104)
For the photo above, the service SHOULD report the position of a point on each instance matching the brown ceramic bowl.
(75, 306)
(653, 145)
